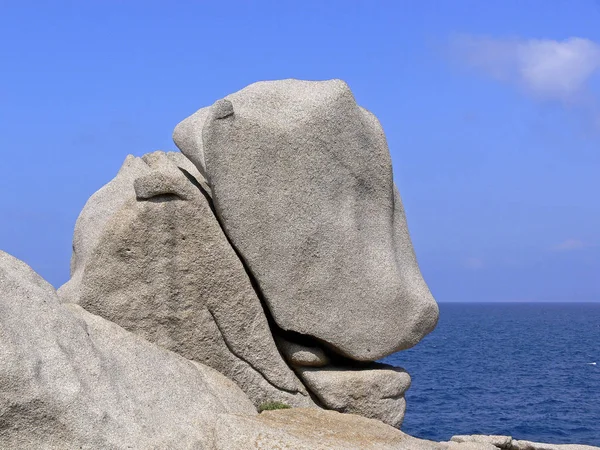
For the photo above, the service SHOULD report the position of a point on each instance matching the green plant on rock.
(270, 406)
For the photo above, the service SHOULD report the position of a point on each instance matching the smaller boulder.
(501, 442)
(376, 392)
(298, 355)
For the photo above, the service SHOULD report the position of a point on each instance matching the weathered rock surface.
(528, 445)
(91, 221)
(376, 393)
(498, 441)
(312, 429)
(302, 183)
(161, 267)
(508, 443)
(469, 446)
(298, 355)
(72, 380)
(300, 180)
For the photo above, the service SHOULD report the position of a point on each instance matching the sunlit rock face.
(72, 380)
(302, 184)
(150, 256)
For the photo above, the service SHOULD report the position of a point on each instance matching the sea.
(527, 370)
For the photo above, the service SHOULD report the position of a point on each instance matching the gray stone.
(302, 184)
(93, 217)
(502, 442)
(162, 268)
(312, 429)
(469, 446)
(478, 441)
(376, 393)
(298, 355)
(72, 380)
(528, 445)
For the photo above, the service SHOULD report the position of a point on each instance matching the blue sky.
(491, 110)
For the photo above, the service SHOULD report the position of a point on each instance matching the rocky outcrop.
(72, 380)
(302, 183)
(92, 219)
(497, 441)
(278, 254)
(375, 392)
(280, 224)
(312, 429)
(528, 445)
(508, 443)
(150, 256)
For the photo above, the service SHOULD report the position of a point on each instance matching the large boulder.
(72, 380)
(150, 255)
(301, 179)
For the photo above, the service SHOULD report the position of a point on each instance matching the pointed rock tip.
(222, 108)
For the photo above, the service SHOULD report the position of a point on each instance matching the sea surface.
(531, 371)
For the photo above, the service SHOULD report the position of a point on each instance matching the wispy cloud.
(569, 245)
(545, 69)
(473, 263)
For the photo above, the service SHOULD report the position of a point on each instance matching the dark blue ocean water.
(525, 370)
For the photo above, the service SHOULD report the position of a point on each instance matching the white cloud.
(568, 245)
(544, 68)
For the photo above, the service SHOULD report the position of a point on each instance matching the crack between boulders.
(270, 321)
(393, 397)
(246, 361)
(275, 330)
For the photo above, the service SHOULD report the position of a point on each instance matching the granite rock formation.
(313, 429)
(161, 267)
(71, 380)
(302, 184)
(508, 443)
(275, 251)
